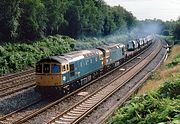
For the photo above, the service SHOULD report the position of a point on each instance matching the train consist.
(67, 72)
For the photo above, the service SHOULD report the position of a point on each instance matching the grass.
(163, 73)
(158, 101)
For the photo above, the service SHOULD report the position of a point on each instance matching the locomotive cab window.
(55, 68)
(46, 68)
(64, 67)
(72, 67)
(67, 67)
(39, 68)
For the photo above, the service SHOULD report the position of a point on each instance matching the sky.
(150, 9)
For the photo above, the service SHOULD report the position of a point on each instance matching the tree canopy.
(34, 19)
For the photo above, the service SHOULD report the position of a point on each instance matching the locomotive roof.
(72, 56)
(111, 46)
(59, 59)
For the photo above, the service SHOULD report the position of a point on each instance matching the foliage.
(34, 19)
(175, 61)
(170, 89)
(20, 56)
(177, 30)
(166, 32)
(55, 10)
(168, 28)
(161, 106)
(9, 19)
(172, 28)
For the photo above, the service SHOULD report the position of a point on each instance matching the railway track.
(15, 75)
(106, 115)
(55, 104)
(19, 113)
(15, 82)
(21, 118)
(85, 106)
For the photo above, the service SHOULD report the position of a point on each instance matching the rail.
(84, 107)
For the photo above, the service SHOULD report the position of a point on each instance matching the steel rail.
(16, 90)
(2, 119)
(84, 107)
(12, 80)
(13, 75)
(110, 112)
(67, 96)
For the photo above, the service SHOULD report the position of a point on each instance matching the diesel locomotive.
(65, 73)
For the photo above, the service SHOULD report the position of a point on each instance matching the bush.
(161, 106)
(166, 32)
(21, 56)
(170, 89)
(175, 61)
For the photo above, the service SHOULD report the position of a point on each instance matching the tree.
(119, 18)
(33, 19)
(72, 16)
(177, 30)
(130, 20)
(55, 10)
(9, 19)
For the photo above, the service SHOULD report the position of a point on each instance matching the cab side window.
(46, 68)
(67, 67)
(39, 68)
(71, 67)
(64, 67)
(55, 68)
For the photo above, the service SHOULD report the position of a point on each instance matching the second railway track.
(56, 104)
(15, 82)
(35, 113)
(85, 106)
(13, 76)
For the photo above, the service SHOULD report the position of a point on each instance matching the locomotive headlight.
(64, 78)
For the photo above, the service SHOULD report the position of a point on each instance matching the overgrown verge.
(161, 106)
(157, 107)
(19, 56)
(175, 61)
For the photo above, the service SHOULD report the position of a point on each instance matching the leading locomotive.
(65, 73)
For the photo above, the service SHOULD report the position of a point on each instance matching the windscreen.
(55, 68)
(46, 68)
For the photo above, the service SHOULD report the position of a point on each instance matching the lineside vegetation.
(20, 56)
(160, 106)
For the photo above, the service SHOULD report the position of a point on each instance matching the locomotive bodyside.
(91, 60)
(72, 70)
(117, 54)
(113, 53)
(65, 73)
